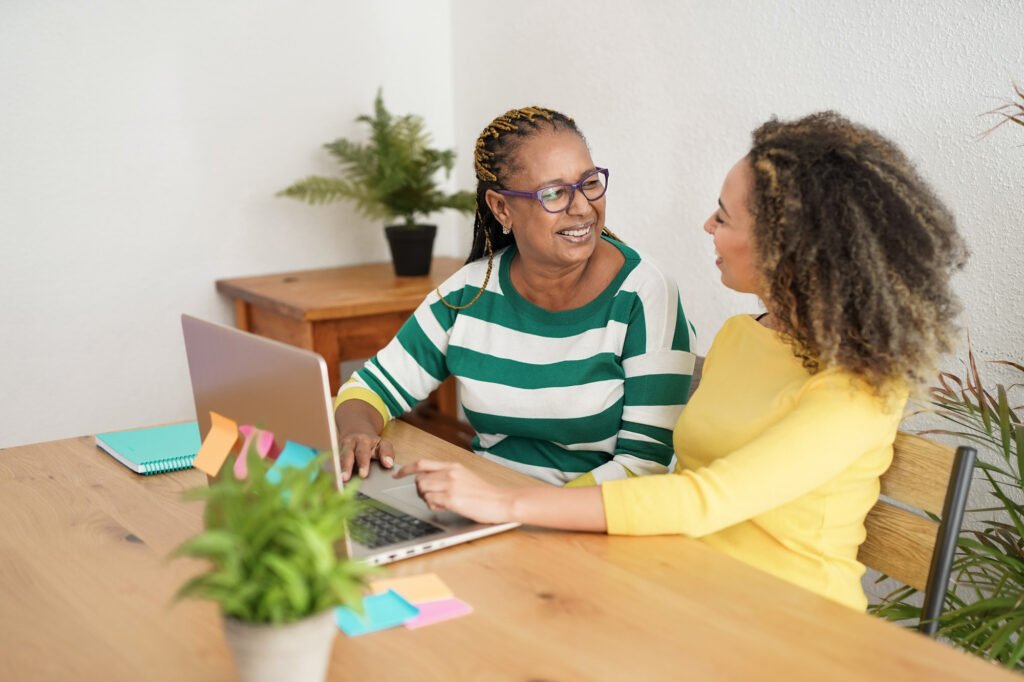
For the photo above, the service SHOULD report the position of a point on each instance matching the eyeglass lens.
(558, 197)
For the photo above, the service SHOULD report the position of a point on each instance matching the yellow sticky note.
(217, 445)
(414, 588)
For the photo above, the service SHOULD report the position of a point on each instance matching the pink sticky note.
(262, 440)
(437, 611)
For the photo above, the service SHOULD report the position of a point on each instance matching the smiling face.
(555, 240)
(732, 227)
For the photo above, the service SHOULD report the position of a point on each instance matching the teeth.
(578, 232)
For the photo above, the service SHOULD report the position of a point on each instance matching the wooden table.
(346, 313)
(85, 589)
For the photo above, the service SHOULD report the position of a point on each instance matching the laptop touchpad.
(406, 496)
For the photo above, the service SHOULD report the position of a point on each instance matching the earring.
(506, 229)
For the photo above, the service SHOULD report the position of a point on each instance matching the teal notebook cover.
(153, 450)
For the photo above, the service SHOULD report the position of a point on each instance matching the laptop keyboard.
(378, 525)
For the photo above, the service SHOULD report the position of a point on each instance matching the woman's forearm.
(566, 508)
(447, 486)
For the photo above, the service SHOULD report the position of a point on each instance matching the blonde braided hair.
(493, 159)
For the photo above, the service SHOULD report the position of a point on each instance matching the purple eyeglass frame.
(572, 190)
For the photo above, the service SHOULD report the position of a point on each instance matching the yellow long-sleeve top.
(776, 466)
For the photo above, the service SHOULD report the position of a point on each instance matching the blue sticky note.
(293, 455)
(380, 612)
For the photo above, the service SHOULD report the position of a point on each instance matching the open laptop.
(284, 389)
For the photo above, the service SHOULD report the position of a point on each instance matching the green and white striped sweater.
(552, 394)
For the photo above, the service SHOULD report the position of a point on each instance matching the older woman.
(783, 443)
(571, 352)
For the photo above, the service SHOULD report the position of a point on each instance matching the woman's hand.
(359, 449)
(359, 441)
(451, 487)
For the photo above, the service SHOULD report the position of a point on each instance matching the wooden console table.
(345, 313)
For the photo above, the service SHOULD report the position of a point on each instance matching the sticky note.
(262, 440)
(414, 588)
(380, 611)
(292, 455)
(217, 445)
(437, 611)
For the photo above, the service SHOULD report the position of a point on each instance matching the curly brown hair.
(855, 248)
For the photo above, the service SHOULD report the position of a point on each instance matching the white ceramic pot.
(297, 652)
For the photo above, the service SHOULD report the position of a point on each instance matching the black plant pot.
(411, 248)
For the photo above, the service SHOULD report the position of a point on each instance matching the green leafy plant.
(271, 545)
(984, 610)
(393, 175)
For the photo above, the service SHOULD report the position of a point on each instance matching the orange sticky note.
(414, 588)
(217, 445)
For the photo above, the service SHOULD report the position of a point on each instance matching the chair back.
(929, 478)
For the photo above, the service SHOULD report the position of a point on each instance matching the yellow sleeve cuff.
(582, 481)
(351, 391)
(588, 479)
(645, 505)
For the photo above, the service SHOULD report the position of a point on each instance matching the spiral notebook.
(153, 450)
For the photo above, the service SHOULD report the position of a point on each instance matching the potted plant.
(274, 569)
(391, 176)
(984, 609)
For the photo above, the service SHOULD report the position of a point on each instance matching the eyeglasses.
(558, 198)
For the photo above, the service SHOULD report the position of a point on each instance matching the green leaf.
(1005, 428)
(212, 544)
(1019, 439)
(1014, 658)
(999, 640)
(292, 581)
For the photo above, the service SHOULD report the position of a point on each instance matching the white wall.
(668, 92)
(141, 146)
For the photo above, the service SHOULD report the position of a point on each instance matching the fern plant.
(271, 545)
(393, 175)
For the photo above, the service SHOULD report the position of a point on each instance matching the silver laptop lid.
(254, 380)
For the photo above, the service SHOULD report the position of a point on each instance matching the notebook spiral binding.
(172, 464)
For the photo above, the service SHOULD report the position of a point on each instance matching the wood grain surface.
(85, 593)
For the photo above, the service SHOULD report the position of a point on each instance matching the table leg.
(326, 340)
(242, 320)
(332, 357)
